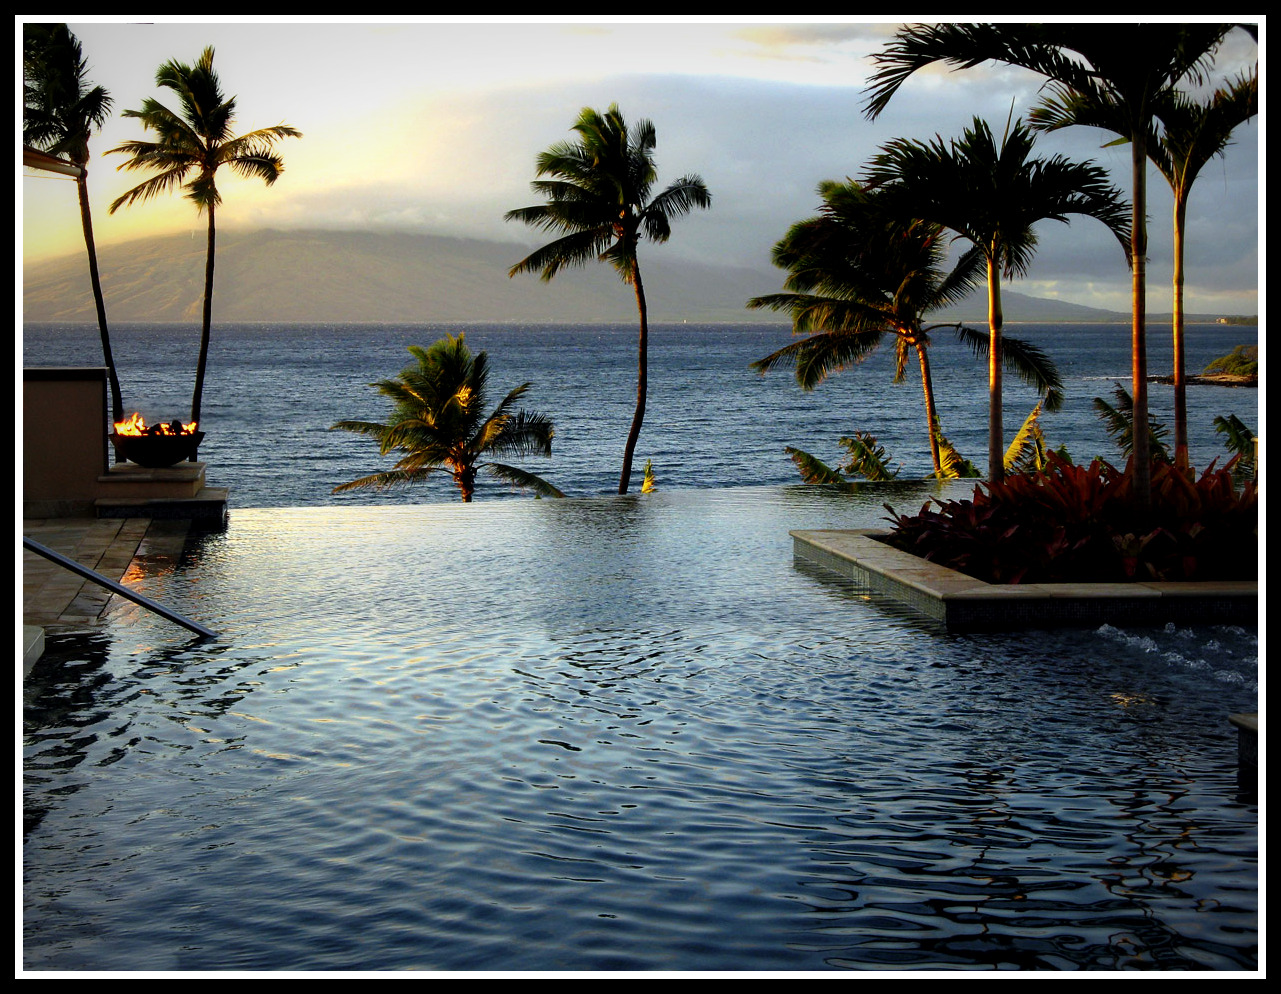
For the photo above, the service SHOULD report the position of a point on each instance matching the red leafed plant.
(1082, 524)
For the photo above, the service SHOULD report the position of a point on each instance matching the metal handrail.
(116, 588)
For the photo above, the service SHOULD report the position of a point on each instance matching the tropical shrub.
(1118, 418)
(438, 423)
(1240, 441)
(1087, 524)
(1241, 361)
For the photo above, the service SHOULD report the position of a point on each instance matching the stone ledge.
(205, 510)
(963, 603)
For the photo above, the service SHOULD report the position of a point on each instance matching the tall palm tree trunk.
(642, 379)
(86, 223)
(1138, 327)
(205, 321)
(931, 412)
(465, 480)
(1180, 380)
(995, 423)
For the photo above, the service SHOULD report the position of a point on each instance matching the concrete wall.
(64, 439)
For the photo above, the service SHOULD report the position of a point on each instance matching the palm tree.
(59, 113)
(196, 142)
(860, 271)
(437, 421)
(993, 195)
(599, 196)
(1133, 64)
(1192, 133)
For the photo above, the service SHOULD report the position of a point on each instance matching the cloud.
(435, 128)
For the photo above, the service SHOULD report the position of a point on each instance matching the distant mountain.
(354, 276)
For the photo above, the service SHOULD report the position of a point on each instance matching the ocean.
(273, 392)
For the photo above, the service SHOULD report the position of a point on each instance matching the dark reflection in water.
(621, 735)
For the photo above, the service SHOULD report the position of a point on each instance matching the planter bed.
(963, 603)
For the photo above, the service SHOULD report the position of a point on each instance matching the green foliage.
(868, 458)
(60, 110)
(1241, 361)
(191, 146)
(858, 272)
(1086, 524)
(1119, 421)
(1026, 452)
(1135, 66)
(954, 466)
(196, 141)
(814, 470)
(600, 201)
(1240, 441)
(438, 423)
(647, 484)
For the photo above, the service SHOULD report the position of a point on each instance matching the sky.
(433, 126)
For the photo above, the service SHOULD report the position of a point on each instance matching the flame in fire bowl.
(158, 446)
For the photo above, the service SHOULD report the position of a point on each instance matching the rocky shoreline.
(1211, 379)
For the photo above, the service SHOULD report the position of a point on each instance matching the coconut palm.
(1192, 133)
(859, 271)
(1134, 64)
(599, 197)
(196, 142)
(60, 110)
(992, 195)
(438, 422)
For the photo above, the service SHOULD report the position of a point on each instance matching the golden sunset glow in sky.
(433, 127)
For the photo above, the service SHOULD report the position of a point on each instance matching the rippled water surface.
(620, 734)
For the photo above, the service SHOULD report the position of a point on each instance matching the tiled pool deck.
(55, 598)
(962, 603)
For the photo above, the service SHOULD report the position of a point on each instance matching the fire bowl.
(157, 451)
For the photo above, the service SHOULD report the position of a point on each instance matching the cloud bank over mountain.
(348, 276)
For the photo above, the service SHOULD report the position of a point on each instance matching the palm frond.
(1028, 362)
(1026, 451)
(1118, 419)
(572, 251)
(437, 418)
(868, 458)
(386, 480)
(953, 465)
(1238, 438)
(162, 182)
(60, 109)
(819, 356)
(522, 478)
(813, 470)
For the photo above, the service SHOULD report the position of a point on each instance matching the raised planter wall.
(961, 603)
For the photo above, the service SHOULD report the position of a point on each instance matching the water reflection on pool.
(621, 734)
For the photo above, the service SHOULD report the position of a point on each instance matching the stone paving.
(55, 598)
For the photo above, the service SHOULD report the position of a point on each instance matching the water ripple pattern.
(621, 734)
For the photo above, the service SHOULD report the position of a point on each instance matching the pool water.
(620, 734)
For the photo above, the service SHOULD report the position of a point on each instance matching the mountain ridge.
(336, 276)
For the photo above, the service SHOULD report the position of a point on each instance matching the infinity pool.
(620, 734)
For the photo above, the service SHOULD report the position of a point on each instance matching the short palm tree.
(599, 196)
(860, 271)
(59, 113)
(196, 142)
(1192, 133)
(992, 195)
(438, 423)
(1133, 64)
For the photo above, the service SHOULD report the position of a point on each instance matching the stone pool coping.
(962, 603)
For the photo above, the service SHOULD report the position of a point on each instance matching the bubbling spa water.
(620, 734)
